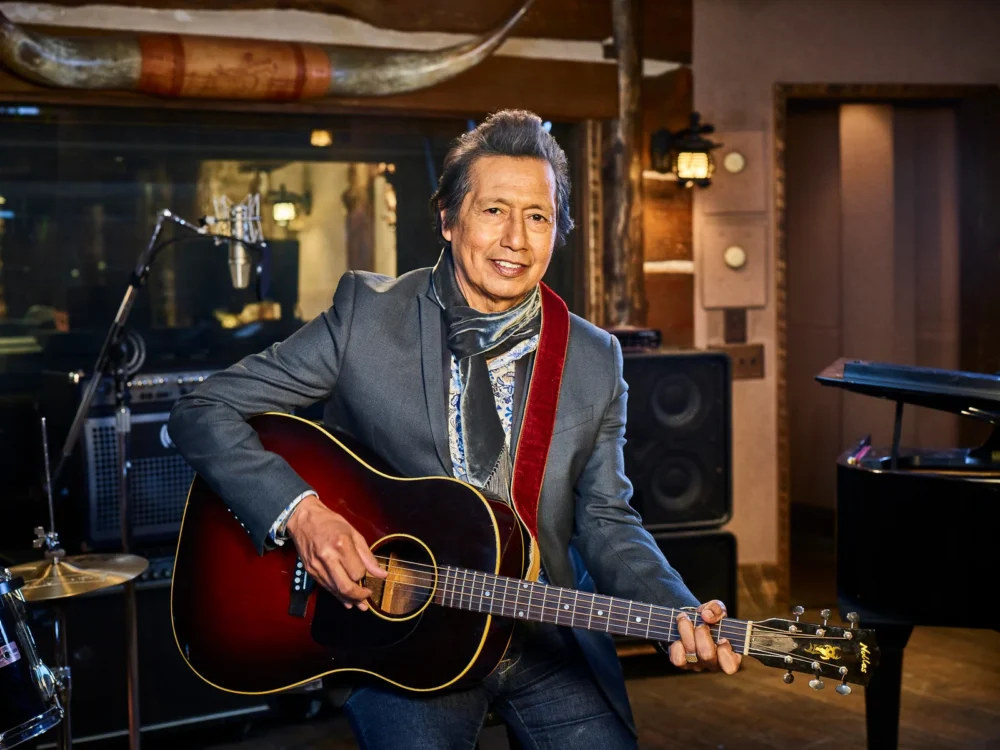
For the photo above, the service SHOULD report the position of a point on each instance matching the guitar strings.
(738, 633)
(730, 627)
(460, 590)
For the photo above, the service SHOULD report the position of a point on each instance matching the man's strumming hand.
(333, 552)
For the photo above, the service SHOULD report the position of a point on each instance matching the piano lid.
(971, 393)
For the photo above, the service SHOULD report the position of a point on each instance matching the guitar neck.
(526, 600)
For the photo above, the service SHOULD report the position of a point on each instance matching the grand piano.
(918, 532)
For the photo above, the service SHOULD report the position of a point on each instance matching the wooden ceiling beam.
(665, 25)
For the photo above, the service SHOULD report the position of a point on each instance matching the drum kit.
(33, 697)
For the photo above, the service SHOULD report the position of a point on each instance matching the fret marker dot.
(638, 619)
(524, 585)
(521, 613)
(565, 606)
(600, 612)
(487, 593)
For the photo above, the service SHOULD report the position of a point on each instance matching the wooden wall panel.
(671, 307)
(667, 214)
(667, 221)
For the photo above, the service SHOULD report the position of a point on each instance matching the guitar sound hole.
(412, 578)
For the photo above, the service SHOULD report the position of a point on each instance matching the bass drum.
(28, 702)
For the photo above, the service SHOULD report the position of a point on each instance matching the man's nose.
(514, 236)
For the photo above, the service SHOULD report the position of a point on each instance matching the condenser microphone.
(242, 223)
(239, 256)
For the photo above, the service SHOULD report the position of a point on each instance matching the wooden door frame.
(829, 92)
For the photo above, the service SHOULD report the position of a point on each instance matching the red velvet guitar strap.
(539, 419)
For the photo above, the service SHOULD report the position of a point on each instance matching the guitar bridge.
(302, 586)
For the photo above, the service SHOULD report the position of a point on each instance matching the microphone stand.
(111, 360)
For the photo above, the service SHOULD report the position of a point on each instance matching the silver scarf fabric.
(474, 337)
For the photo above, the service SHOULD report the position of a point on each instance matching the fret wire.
(473, 592)
(503, 601)
(490, 592)
(461, 596)
(649, 619)
(559, 608)
(628, 617)
(572, 616)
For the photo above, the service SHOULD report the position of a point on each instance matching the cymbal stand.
(54, 551)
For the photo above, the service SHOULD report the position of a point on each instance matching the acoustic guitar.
(444, 616)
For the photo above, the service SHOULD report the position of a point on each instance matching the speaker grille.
(677, 451)
(158, 480)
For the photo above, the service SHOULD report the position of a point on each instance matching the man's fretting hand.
(699, 641)
(333, 552)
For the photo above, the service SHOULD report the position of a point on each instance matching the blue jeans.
(543, 689)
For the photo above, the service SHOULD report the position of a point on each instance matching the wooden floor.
(951, 699)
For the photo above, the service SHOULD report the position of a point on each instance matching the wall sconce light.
(686, 153)
(285, 205)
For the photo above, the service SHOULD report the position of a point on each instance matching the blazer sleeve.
(620, 555)
(209, 425)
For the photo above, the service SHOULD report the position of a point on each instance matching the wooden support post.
(625, 292)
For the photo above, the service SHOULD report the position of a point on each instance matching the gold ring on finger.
(691, 658)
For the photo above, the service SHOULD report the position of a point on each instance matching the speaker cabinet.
(170, 694)
(678, 437)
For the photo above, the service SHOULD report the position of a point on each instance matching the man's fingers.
(705, 646)
(348, 588)
(713, 611)
(729, 660)
(367, 557)
(686, 631)
(676, 652)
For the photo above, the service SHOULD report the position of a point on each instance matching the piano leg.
(882, 693)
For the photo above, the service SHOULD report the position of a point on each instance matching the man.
(431, 371)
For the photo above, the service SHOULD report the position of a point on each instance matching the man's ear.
(445, 229)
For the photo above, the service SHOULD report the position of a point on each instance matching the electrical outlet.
(747, 359)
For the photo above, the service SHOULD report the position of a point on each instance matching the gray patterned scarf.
(474, 337)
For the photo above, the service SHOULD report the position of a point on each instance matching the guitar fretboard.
(526, 600)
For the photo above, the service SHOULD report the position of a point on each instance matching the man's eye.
(538, 217)
(494, 211)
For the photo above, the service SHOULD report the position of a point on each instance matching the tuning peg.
(788, 677)
(843, 688)
(816, 683)
(798, 611)
(854, 619)
(825, 614)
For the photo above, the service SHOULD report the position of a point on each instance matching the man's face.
(503, 237)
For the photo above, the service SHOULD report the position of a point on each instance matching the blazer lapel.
(522, 376)
(432, 355)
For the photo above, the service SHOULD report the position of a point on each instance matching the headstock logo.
(866, 657)
(826, 653)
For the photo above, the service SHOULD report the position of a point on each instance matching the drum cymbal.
(75, 575)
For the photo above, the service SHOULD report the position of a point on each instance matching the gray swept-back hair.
(509, 132)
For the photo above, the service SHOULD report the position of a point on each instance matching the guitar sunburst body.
(231, 606)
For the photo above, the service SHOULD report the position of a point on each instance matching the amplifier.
(159, 477)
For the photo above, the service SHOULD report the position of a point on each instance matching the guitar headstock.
(844, 654)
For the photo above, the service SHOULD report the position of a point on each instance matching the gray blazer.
(378, 358)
